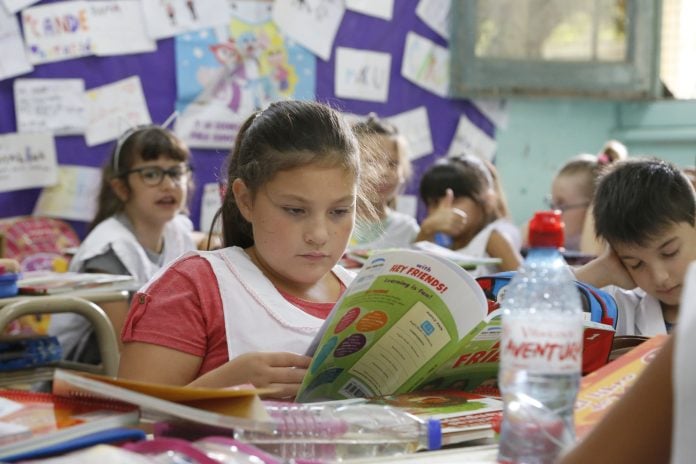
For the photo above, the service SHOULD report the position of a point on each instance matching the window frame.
(637, 77)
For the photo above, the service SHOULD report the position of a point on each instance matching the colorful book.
(31, 421)
(413, 321)
(463, 416)
(603, 387)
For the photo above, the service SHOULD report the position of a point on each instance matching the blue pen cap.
(434, 434)
(8, 284)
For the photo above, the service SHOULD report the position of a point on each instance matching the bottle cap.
(546, 229)
(434, 434)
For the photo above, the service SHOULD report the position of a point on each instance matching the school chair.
(106, 335)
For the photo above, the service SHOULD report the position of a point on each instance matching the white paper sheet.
(26, 161)
(14, 60)
(167, 18)
(113, 108)
(251, 11)
(210, 203)
(74, 196)
(50, 105)
(362, 74)
(379, 8)
(118, 28)
(414, 125)
(312, 23)
(426, 64)
(14, 6)
(469, 139)
(407, 204)
(57, 31)
(495, 110)
(436, 14)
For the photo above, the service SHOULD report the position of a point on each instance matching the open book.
(219, 407)
(411, 321)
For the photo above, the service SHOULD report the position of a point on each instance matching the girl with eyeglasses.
(139, 226)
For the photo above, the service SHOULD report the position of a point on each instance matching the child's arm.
(500, 247)
(283, 371)
(154, 363)
(443, 218)
(607, 269)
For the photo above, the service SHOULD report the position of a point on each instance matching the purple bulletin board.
(157, 73)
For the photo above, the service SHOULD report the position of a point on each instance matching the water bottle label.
(548, 346)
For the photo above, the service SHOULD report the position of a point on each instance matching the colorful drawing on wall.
(57, 31)
(426, 64)
(221, 82)
(73, 197)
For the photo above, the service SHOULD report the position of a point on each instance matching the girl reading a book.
(465, 202)
(138, 227)
(246, 313)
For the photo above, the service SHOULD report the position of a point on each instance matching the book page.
(400, 318)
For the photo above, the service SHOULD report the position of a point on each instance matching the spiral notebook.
(30, 421)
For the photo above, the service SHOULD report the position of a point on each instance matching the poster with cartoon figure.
(223, 78)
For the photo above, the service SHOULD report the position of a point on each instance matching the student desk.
(82, 302)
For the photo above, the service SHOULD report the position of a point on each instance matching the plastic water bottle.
(340, 430)
(541, 350)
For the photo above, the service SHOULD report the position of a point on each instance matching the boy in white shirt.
(646, 212)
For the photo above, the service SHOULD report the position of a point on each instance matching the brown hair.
(287, 135)
(147, 143)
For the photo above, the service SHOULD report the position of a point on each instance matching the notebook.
(31, 421)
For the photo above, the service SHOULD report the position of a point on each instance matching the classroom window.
(583, 47)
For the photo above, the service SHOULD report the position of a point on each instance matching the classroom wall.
(157, 73)
(541, 135)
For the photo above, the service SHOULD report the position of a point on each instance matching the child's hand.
(615, 269)
(278, 370)
(446, 218)
(607, 269)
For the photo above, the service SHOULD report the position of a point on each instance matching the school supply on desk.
(19, 352)
(118, 435)
(411, 320)
(463, 416)
(53, 283)
(602, 388)
(30, 421)
(220, 407)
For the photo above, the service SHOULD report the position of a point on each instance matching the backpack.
(601, 306)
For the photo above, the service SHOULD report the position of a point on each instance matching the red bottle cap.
(546, 229)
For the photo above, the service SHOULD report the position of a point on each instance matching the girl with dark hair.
(465, 202)
(138, 226)
(246, 312)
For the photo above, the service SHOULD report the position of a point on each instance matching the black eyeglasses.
(152, 176)
(563, 208)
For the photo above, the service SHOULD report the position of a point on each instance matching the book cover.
(463, 416)
(30, 421)
(412, 320)
(602, 388)
(221, 407)
(52, 283)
